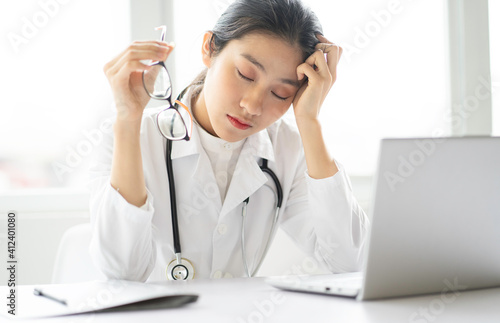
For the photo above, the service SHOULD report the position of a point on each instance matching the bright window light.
(55, 97)
(392, 79)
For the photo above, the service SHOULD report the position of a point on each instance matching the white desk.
(252, 300)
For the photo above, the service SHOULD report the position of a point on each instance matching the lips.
(237, 123)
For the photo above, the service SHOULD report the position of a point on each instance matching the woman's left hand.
(321, 71)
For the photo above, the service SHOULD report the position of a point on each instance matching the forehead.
(271, 51)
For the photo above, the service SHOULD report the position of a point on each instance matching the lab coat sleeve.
(121, 245)
(340, 224)
(326, 220)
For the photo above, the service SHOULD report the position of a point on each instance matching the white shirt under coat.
(320, 215)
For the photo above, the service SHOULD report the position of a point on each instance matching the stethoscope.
(183, 269)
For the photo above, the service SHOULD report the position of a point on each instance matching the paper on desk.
(95, 296)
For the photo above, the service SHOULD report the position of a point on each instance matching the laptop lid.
(436, 217)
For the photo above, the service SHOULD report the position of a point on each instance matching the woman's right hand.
(124, 74)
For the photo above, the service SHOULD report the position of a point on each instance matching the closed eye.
(279, 97)
(250, 80)
(243, 76)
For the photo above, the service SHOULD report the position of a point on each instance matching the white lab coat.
(321, 216)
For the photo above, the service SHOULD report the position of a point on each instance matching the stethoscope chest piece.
(180, 271)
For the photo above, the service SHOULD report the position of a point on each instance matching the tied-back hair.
(289, 20)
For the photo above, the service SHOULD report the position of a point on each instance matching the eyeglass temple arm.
(163, 31)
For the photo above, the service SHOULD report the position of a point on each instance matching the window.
(494, 10)
(188, 37)
(392, 78)
(55, 97)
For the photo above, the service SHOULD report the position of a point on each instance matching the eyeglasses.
(175, 121)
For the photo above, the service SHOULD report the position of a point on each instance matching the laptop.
(435, 222)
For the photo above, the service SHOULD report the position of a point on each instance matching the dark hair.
(290, 20)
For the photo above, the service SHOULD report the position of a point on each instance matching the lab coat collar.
(202, 173)
(258, 145)
(184, 148)
(247, 176)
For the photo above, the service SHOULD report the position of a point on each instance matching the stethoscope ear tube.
(271, 234)
(279, 200)
(276, 181)
(243, 250)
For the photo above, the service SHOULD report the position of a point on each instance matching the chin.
(224, 132)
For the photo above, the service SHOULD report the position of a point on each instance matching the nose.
(252, 101)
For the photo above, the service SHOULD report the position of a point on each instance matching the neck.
(200, 113)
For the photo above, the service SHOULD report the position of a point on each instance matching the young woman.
(261, 58)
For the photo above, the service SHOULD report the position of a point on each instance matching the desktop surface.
(252, 300)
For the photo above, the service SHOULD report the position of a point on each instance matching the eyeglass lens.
(171, 123)
(157, 82)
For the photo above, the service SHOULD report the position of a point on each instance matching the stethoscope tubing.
(276, 181)
(243, 248)
(173, 202)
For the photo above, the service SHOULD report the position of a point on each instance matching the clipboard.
(93, 297)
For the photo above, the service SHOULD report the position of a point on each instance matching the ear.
(206, 54)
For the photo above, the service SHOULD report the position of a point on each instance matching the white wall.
(42, 218)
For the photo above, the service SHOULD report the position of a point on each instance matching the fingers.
(332, 53)
(316, 69)
(142, 51)
(138, 44)
(323, 62)
(129, 59)
(128, 69)
(321, 66)
(307, 70)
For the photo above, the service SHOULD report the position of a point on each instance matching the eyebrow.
(261, 67)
